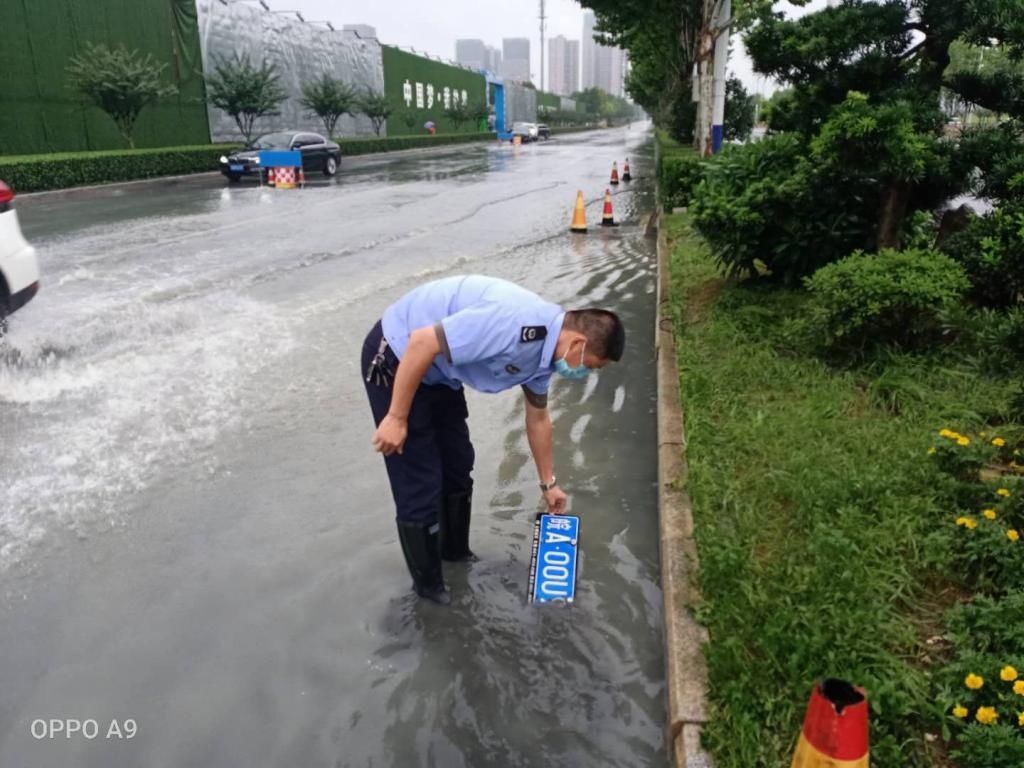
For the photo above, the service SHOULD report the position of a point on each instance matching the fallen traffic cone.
(835, 731)
(607, 220)
(625, 171)
(615, 173)
(579, 215)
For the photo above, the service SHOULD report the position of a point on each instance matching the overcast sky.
(434, 27)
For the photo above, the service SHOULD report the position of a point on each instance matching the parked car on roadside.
(19, 267)
(525, 131)
(318, 154)
(543, 131)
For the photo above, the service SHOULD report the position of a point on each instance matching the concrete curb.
(686, 671)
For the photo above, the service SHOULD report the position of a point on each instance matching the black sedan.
(318, 154)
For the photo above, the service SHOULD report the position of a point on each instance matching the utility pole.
(542, 18)
(721, 62)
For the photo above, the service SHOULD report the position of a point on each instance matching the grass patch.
(815, 504)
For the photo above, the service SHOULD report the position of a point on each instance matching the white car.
(19, 268)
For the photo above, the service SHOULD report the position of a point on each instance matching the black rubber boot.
(421, 546)
(455, 515)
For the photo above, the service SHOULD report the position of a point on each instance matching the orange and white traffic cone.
(579, 215)
(835, 732)
(607, 220)
(302, 177)
(270, 177)
(615, 173)
(625, 171)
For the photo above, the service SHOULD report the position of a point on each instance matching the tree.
(479, 113)
(898, 55)
(245, 91)
(118, 81)
(375, 106)
(458, 113)
(739, 111)
(329, 98)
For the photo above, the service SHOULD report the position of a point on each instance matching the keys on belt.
(379, 372)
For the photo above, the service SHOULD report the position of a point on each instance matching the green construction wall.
(548, 100)
(400, 66)
(39, 113)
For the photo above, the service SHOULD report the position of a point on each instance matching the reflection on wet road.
(194, 532)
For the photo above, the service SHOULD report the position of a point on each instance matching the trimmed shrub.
(754, 204)
(32, 173)
(678, 176)
(893, 297)
(991, 250)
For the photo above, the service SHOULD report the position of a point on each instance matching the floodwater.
(197, 543)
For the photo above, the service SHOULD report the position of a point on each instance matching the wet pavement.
(196, 536)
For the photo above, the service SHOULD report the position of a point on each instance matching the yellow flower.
(974, 682)
(961, 711)
(1008, 674)
(983, 434)
(947, 433)
(986, 715)
(1012, 535)
(998, 442)
(1018, 687)
(931, 451)
(963, 440)
(990, 514)
(1004, 492)
(1020, 719)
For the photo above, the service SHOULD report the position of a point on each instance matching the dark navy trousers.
(437, 458)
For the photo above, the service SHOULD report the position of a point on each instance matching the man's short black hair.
(605, 334)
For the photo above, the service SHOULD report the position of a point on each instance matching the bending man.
(488, 334)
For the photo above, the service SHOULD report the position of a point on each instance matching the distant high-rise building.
(589, 48)
(563, 66)
(494, 60)
(361, 30)
(516, 58)
(472, 53)
(603, 66)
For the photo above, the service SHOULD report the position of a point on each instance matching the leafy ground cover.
(831, 506)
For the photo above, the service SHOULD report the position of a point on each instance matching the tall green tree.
(329, 98)
(118, 81)
(245, 90)
(376, 107)
(740, 108)
(896, 52)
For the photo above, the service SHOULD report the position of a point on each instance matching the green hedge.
(35, 173)
(394, 143)
(680, 170)
(32, 173)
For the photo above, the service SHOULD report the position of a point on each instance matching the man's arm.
(423, 347)
(538, 433)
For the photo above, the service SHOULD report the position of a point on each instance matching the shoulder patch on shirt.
(530, 333)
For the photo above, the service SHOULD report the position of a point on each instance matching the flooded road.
(195, 534)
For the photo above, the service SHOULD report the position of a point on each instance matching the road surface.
(196, 536)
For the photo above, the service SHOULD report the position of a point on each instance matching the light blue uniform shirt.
(494, 335)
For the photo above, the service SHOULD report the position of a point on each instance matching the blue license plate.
(553, 560)
(236, 167)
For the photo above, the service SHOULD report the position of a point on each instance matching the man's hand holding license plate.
(553, 560)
